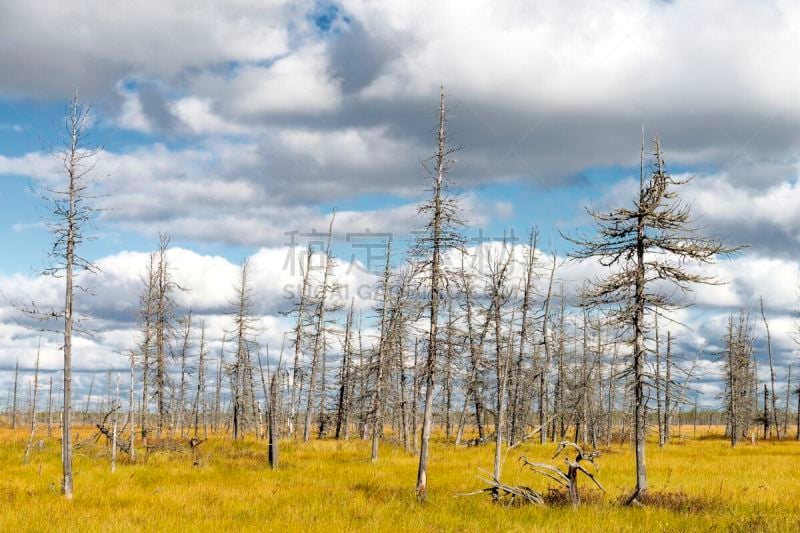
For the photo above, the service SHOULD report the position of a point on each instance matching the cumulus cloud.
(55, 48)
(259, 118)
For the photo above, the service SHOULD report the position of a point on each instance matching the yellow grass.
(331, 486)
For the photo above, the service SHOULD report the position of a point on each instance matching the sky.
(237, 127)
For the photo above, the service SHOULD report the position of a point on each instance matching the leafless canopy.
(670, 241)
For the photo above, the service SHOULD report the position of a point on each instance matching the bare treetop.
(660, 225)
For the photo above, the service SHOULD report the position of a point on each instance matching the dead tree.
(114, 428)
(475, 338)
(218, 386)
(33, 405)
(72, 213)
(298, 343)
(568, 480)
(415, 384)
(499, 295)
(449, 361)
(774, 399)
(323, 306)
(241, 370)
(652, 241)
(200, 403)
(786, 405)
(524, 334)
(88, 400)
(131, 417)
(383, 346)
(146, 316)
(440, 234)
(163, 325)
(394, 303)
(740, 385)
(15, 396)
(657, 383)
(271, 397)
(183, 356)
(667, 392)
(345, 378)
(272, 420)
(545, 367)
(50, 409)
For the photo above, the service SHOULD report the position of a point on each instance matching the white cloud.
(299, 83)
(148, 38)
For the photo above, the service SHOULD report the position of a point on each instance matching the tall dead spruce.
(324, 304)
(71, 213)
(245, 411)
(439, 234)
(653, 241)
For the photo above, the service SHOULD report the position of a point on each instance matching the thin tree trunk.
(667, 390)
(298, 341)
(433, 332)
(377, 406)
(114, 429)
(14, 396)
(50, 409)
(131, 419)
(33, 405)
(774, 397)
(318, 335)
(639, 350)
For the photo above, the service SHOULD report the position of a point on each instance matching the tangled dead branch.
(508, 494)
(568, 480)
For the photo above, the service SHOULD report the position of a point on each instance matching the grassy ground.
(700, 484)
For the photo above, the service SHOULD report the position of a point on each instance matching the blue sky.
(229, 125)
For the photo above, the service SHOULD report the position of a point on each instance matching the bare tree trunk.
(501, 360)
(319, 333)
(475, 348)
(115, 407)
(659, 398)
(639, 350)
(200, 393)
(343, 403)
(415, 396)
(14, 396)
(131, 418)
(161, 331)
(33, 405)
(272, 422)
(187, 325)
(667, 390)
(218, 388)
(377, 406)
(516, 423)
(774, 398)
(547, 356)
(147, 312)
(76, 121)
(50, 409)
(403, 399)
(788, 396)
(447, 382)
(298, 341)
(437, 242)
(611, 394)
